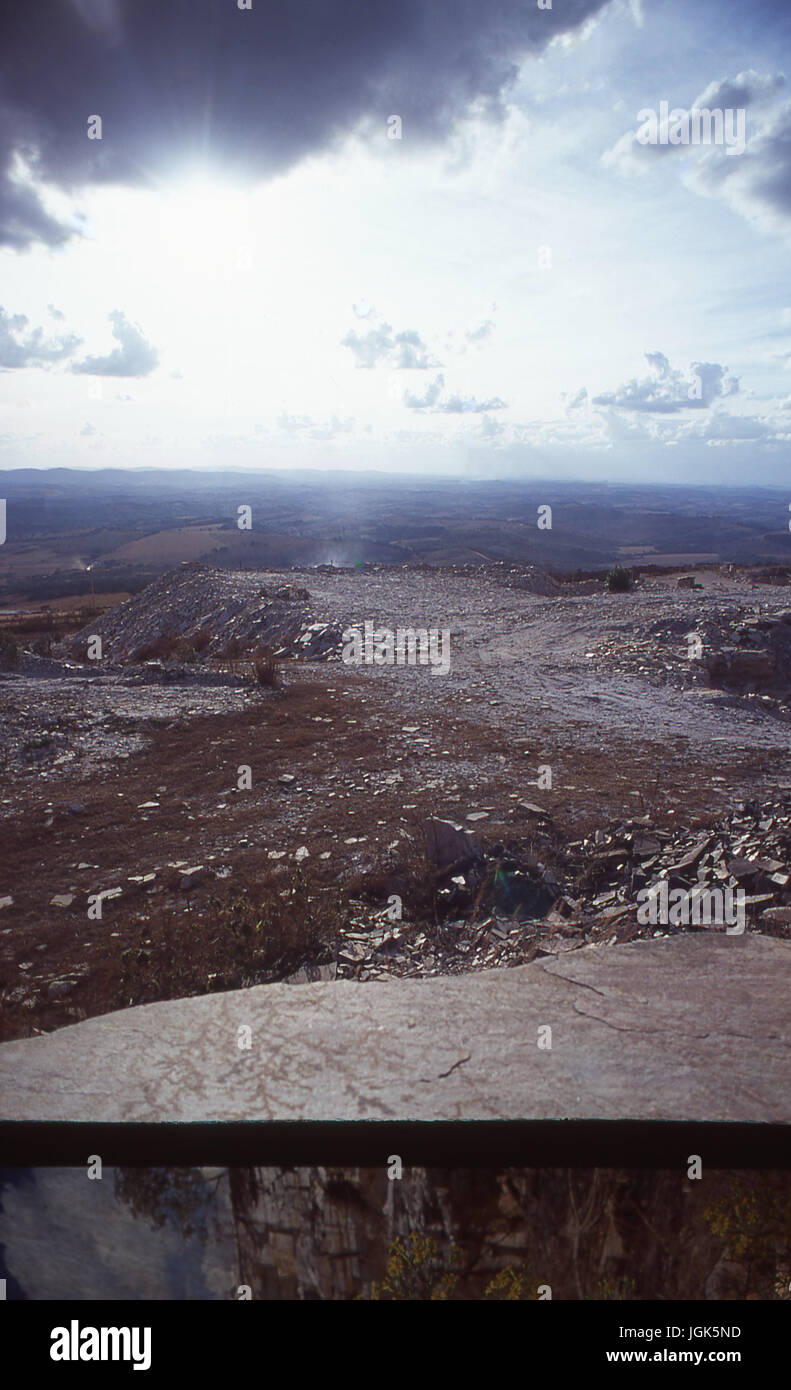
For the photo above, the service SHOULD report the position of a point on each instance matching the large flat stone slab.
(691, 1028)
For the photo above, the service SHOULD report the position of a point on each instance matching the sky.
(66, 1237)
(428, 237)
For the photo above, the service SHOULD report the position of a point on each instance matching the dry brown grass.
(251, 933)
(266, 668)
(232, 650)
(259, 930)
(161, 649)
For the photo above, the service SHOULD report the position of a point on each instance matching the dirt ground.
(372, 752)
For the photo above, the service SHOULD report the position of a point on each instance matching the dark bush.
(184, 651)
(252, 933)
(161, 649)
(618, 580)
(266, 669)
(9, 649)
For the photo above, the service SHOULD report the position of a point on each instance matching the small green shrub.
(506, 1287)
(618, 1289)
(754, 1217)
(618, 580)
(416, 1272)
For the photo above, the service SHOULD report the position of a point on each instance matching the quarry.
(257, 816)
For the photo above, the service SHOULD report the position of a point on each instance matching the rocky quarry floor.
(171, 827)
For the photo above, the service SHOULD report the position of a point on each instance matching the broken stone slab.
(645, 845)
(448, 845)
(58, 989)
(745, 868)
(191, 877)
(690, 859)
(352, 952)
(780, 916)
(556, 946)
(741, 666)
(614, 913)
(311, 974)
(752, 666)
(687, 1028)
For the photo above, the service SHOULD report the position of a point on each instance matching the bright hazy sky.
(516, 287)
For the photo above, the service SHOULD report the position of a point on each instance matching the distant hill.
(130, 525)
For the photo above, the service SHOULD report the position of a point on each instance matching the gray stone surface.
(695, 1027)
(448, 844)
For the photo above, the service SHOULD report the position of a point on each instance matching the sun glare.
(207, 225)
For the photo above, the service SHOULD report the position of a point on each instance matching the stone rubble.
(225, 605)
(749, 849)
(743, 651)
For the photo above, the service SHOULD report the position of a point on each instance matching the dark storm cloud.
(757, 181)
(250, 90)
